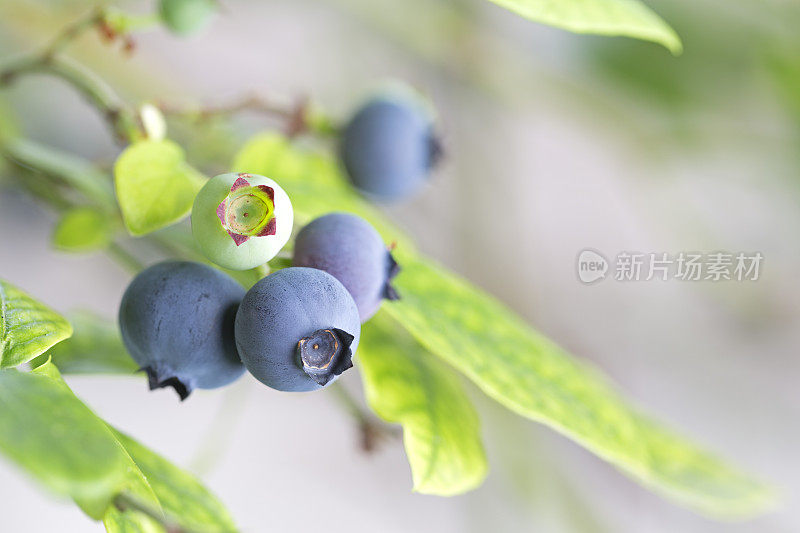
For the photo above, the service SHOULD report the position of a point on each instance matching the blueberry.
(389, 147)
(176, 319)
(297, 329)
(184, 17)
(241, 221)
(348, 248)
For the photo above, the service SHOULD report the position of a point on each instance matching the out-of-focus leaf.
(51, 434)
(27, 327)
(630, 18)
(8, 122)
(74, 171)
(155, 186)
(785, 72)
(313, 182)
(407, 385)
(180, 494)
(532, 376)
(130, 521)
(83, 229)
(94, 348)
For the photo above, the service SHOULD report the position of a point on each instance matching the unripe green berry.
(184, 17)
(241, 221)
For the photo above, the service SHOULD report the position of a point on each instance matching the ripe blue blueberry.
(389, 147)
(177, 319)
(241, 221)
(348, 248)
(297, 329)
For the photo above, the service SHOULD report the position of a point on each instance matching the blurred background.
(556, 142)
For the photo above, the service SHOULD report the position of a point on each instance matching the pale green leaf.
(407, 385)
(83, 229)
(155, 186)
(27, 327)
(9, 127)
(52, 435)
(48, 431)
(94, 348)
(630, 18)
(180, 494)
(74, 171)
(130, 521)
(313, 182)
(126, 520)
(132, 481)
(532, 376)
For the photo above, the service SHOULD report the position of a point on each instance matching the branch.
(298, 118)
(123, 121)
(94, 18)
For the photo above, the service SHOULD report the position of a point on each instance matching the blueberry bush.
(297, 329)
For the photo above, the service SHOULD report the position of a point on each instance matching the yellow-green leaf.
(27, 327)
(83, 229)
(313, 182)
(94, 348)
(534, 377)
(182, 497)
(630, 18)
(155, 186)
(407, 385)
(51, 434)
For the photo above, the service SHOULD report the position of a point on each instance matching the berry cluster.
(190, 326)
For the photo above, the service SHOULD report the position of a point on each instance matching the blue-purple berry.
(176, 320)
(297, 329)
(351, 250)
(389, 147)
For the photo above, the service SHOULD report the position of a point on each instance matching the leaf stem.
(124, 258)
(125, 501)
(372, 431)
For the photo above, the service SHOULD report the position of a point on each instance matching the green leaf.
(127, 520)
(94, 348)
(27, 328)
(74, 171)
(155, 186)
(130, 521)
(630, 18)
(532, 376)
(313, 182)
(407, 385)
(9, 127)
(47, 431)
(83, 229)
(180, 494)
